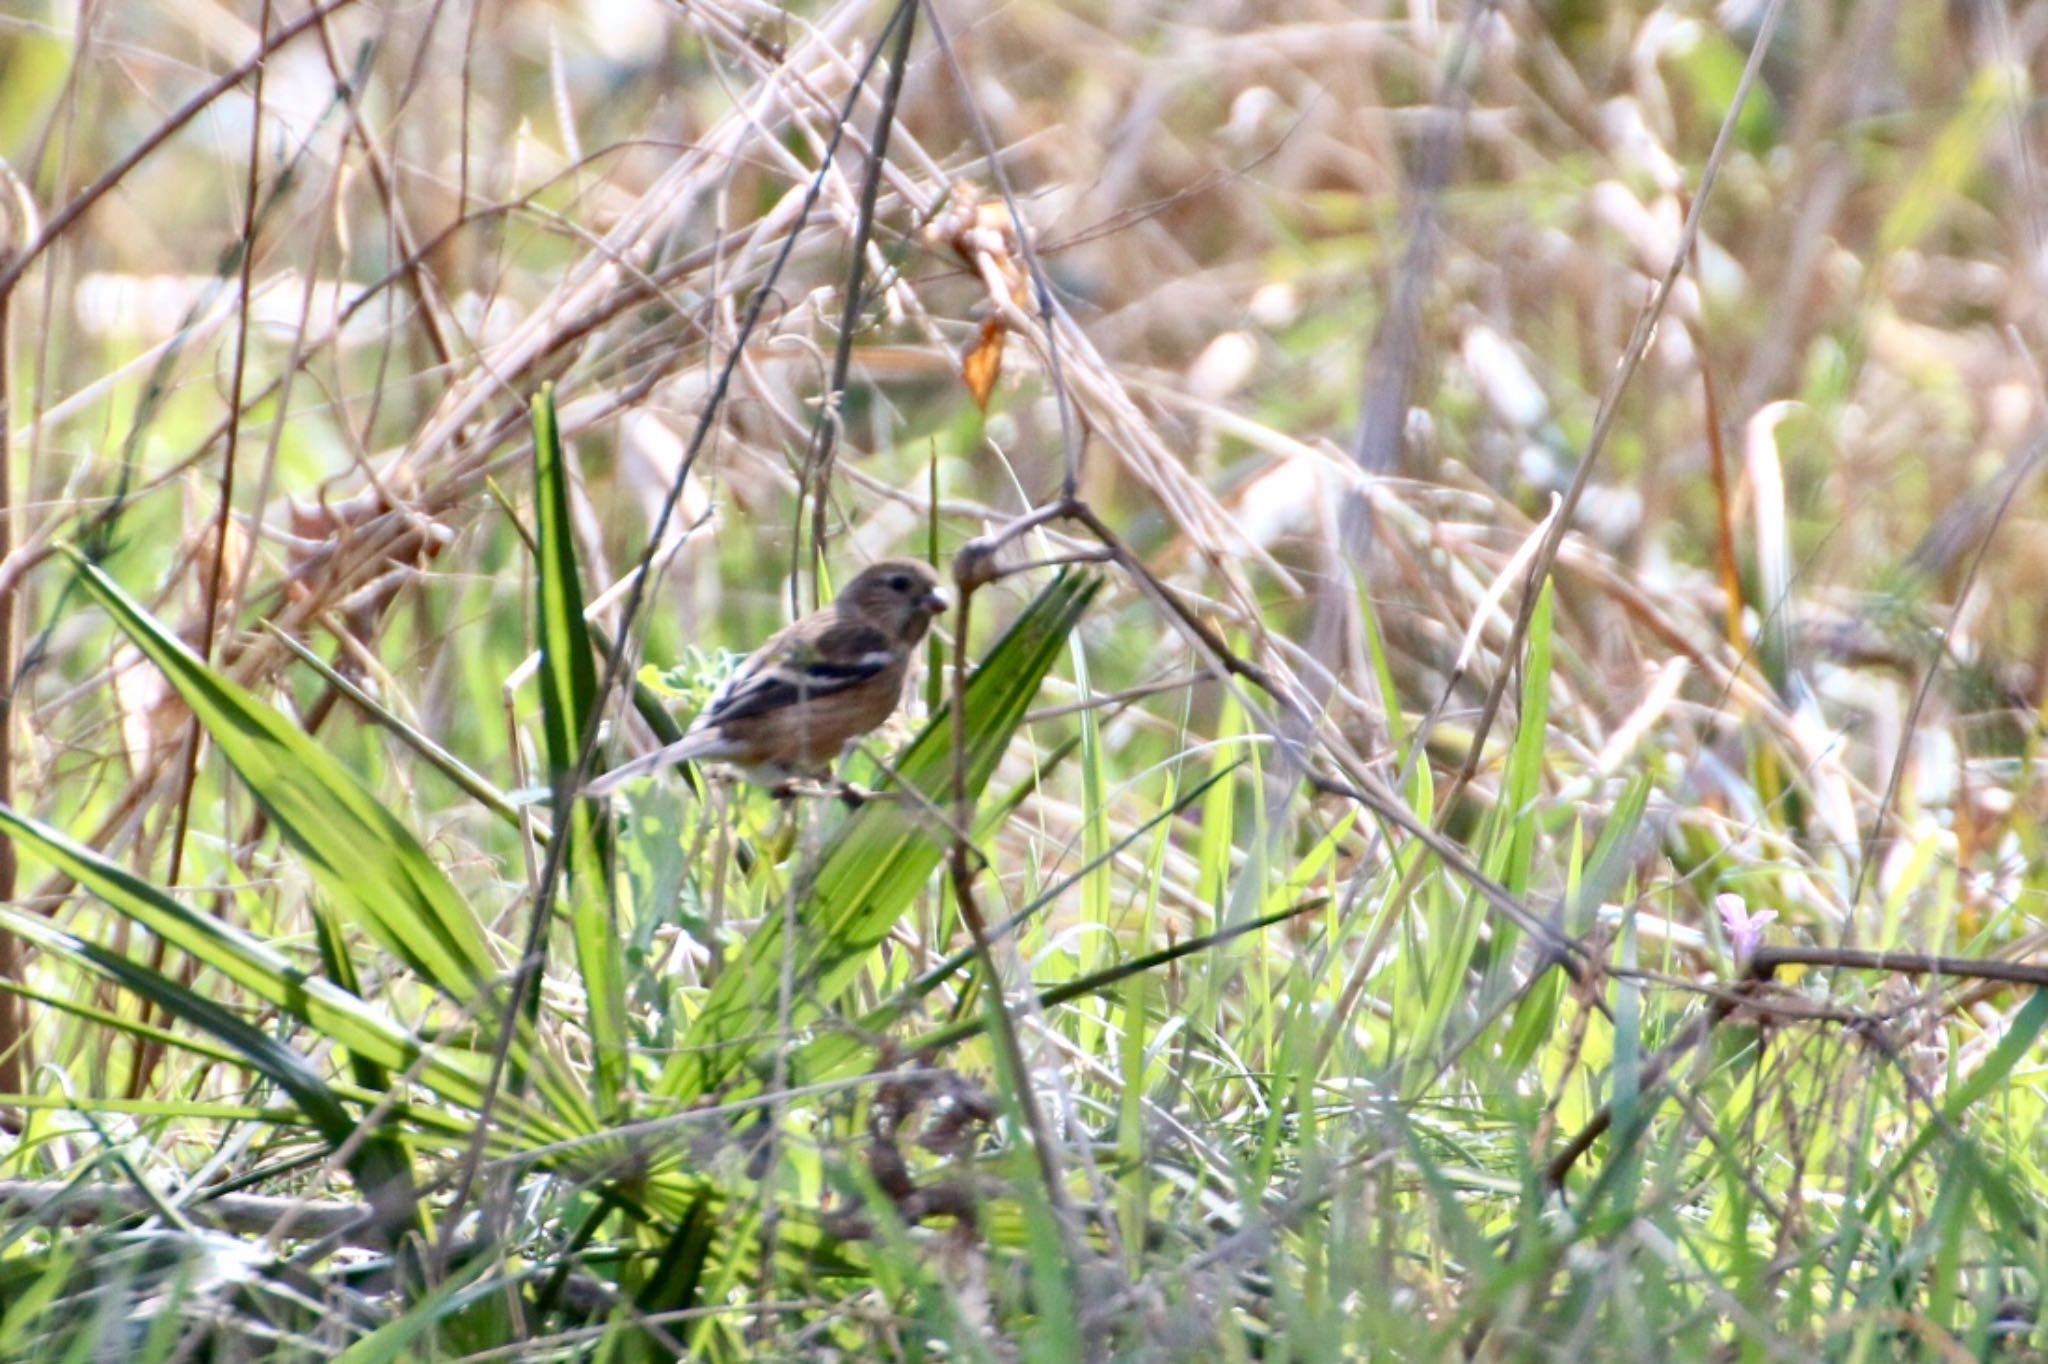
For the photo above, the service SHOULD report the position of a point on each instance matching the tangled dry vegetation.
(1481, 798)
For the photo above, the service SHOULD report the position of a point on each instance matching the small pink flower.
(1745, 930)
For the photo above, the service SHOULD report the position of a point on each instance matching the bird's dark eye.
(900, 583)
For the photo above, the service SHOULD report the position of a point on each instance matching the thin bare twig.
(148, 1050)
(963, 862)
(815, 477)
(1745, 993)
(17, 225)
(63, 218)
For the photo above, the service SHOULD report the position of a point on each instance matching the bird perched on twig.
(819, 683)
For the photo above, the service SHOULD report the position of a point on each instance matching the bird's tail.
(699, 744)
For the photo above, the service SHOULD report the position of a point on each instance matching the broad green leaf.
(379, 1165)
(377, 1161)
(364, 859)
(677, 1282)
(367, 862)
(435, 756)
(568, 700)
(119, 1023)
(401, 1338)
(837, 1052)
(568, 671)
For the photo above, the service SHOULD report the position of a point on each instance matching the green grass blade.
(1524, 784)
(379, 1165)
(262, 1053)
(266, 973)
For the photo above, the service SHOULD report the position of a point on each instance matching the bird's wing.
(799, 667)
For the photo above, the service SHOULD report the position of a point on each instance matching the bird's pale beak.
(935, 601)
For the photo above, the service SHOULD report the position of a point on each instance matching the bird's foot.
(813, 787)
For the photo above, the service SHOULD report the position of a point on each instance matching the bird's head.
(899, 595)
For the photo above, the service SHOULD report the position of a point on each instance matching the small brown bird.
(796, 702)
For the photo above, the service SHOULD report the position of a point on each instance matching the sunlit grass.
(1324, 952)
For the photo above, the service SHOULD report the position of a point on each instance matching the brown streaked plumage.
(815, 686)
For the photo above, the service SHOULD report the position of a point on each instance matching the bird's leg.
(821, 781)
(797, 787)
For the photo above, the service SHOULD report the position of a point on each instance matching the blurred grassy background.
(1340, 292)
